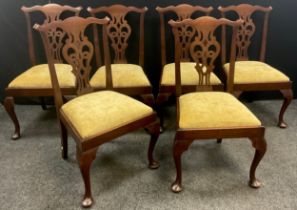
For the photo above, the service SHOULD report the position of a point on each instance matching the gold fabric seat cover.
(123, 75)
(189, 75)
(255, 72)
(100, 112)
(214, 110)
(38, 77)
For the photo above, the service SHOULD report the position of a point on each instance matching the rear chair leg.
(288, 96)
(161, 98)
(85, 160)
(260, 145)
(219, 141)
(154, 130)
(42, 102)
(9, 107)
(64, 141)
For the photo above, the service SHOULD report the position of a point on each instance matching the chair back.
(182, 11)
(51, 12)
(247, 29)
(204, 47)
(119, 31)
(77, 51)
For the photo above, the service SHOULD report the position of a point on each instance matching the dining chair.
(92, 118)
(35, 81)
(207, 114)
(250, 74)
(189, 77)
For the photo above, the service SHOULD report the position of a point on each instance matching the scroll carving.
(244, 35)
(185, 34)
(119, 31)
(78, 52)
(51, 12)
(204, 50)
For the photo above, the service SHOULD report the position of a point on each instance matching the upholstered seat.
(255, 72)
(39, 77)
(189, 75)
(100, 112)
(214, 110)
(123, 75)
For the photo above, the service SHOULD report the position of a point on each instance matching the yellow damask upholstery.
(39, 77)
(123, 75)
(189, 75)
(99, 112)
(255, 72)
(214, 110)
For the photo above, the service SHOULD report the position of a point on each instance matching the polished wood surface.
(204, 49)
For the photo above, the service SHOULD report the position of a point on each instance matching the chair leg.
(148, 99)
(180, 145)
(64, 141)
(85, 160)
(9, 107)
(219, 141)
(154, 130)
(260, 145)
(237, 93)
(288, 96)
(42, 102)
(161, 98)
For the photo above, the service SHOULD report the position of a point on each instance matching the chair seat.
(255, 72)
(100, 112)
(189, 75)
(38, 77)
(202, 110)
(123, 75)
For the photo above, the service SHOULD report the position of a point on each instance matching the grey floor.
(33, 176)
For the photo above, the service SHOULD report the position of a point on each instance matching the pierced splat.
(244, 35)
(77, 49)
(247, 28)
(204, 47)
(119, 30)
(51, 12)
(204, 50)
(78, 52)
(185, 33)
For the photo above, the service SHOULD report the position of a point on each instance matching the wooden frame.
(245, 12)
(182, 11)
(117, 13)
(206, 42)
(51, 12)
(78, 52)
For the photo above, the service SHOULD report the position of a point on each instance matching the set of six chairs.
(104, 108)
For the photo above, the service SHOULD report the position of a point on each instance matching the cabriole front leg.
(85, 160)
(288, 96)
(180, 146)
(9, 107)
(260, 145)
